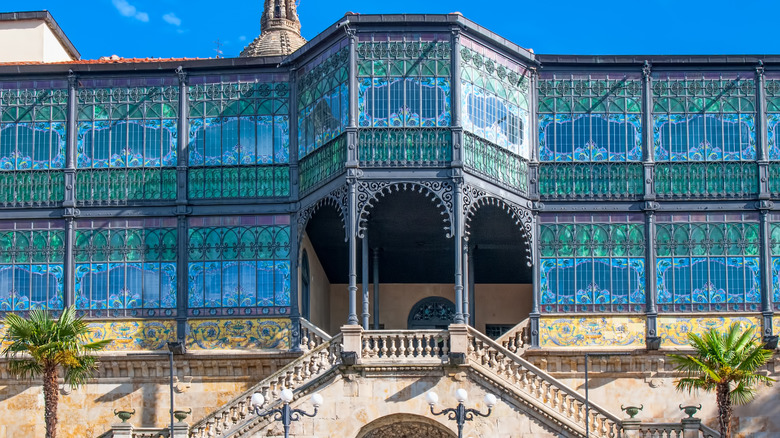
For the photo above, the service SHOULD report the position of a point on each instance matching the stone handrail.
(401, 345)
(299, 372)
(658, 430)
(517, 339)
(706, 432)
(312, 336)
(149, 432)
(537, 387)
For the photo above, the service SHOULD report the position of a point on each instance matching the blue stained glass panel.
(710, 137)
(590, 137)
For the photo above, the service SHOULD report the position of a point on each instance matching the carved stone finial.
(280, 30)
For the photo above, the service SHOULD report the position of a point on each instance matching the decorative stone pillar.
(352, 339)
(459, 338)
(631, 428)
(122, 430)
(180, 430)
(691, 427)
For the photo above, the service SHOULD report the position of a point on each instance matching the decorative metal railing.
(31, 188)
(495, 163)
(539, 388)
(405, 147)
(118, 186)
(323, 164)
(238, 412)
(774, 178)
(414, 345)
(590, 180)
(264, 181)
(735, 179)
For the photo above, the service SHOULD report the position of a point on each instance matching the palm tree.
(726, 363)
(41, 346)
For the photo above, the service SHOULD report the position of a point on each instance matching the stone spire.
(280, 30)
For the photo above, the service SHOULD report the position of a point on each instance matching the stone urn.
(632, 410)
(181, 415)
(124, 415)
(690, 410)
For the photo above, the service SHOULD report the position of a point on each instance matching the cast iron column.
(376, 288)
(533, 193)
(364, 278)
(652, 340)
(471, 289)
(182, 210)
(352, 178)
(533, 136)
(457, 230)
(295, 234)
(455, 96)
(69, 199)
(536, 303)
(466, 280)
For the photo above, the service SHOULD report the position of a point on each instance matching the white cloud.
(128, 10)
(242, 38)
(171, 18)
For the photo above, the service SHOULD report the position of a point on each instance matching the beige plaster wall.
(319, 303)
(494, 303)
(30, 40)
(141, 382)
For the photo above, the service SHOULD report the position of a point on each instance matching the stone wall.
(203, 382)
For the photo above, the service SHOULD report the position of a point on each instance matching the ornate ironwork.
(591, 180)
(323, 164)
(440, 191)
(123, 186)
(495, 163)
(703, 180)
(37, 188)
(405, 147)
(474, 198)
(238, 182)
(337, 199)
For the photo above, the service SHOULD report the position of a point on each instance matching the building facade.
(401, 172)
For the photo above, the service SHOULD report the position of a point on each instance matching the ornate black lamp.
(285, 414)
(460, 414)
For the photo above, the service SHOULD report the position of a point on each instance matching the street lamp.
(285, 414)
(460, 414)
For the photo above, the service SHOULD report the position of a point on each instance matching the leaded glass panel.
(774, 242)
(494, 101)
(704, 117)
(126, 267)
(592, 263)
(239, 265)
(773, 115)
(594, 117)
(403, 82)
(31, 265)
(708, 263)
(323, 99)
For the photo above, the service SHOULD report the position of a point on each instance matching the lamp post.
(460, 414)
(285, 414)
(173, 348)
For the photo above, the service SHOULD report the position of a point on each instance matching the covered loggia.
(499, 275)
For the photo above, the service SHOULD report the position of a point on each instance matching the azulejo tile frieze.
(596, 331)
(128, 335)
(674, 330)
(238, 334)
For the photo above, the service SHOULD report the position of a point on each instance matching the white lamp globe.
(461, 395)
(432, 398)
(286, 395)
(257, 400)
(490, 400)
(316, 400)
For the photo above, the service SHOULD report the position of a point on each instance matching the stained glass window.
(592, 263)
(494, 101)
(595, 117)
(239, 265)
(704, 117)
(323, 99)
(774, 242)
(127, 137)
(126, 267)
(773, 115)
(31, 268)
(708, 263)
(404, 82)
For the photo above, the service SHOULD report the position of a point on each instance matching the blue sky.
(190, 28)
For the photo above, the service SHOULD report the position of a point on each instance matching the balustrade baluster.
(402, 346)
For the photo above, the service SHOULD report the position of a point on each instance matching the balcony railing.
(405, 147)
(734, 179)
(323, 164)
(495, 163)
(590, 180)
(120, 185)
(265, 181)
(31, 188)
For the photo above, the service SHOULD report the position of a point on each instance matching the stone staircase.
(518, 338)
(495, 365)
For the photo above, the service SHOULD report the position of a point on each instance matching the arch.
(404, 426)
(474, 199)
(336, 199)
(431, 313)
(440, 192)
(305, 286)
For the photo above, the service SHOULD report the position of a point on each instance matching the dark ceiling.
(409, 230)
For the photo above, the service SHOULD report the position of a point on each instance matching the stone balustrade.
(687, 428)
(238, 412)
(537, 387)
(312, 336)
(405, 345)
(517, 339)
